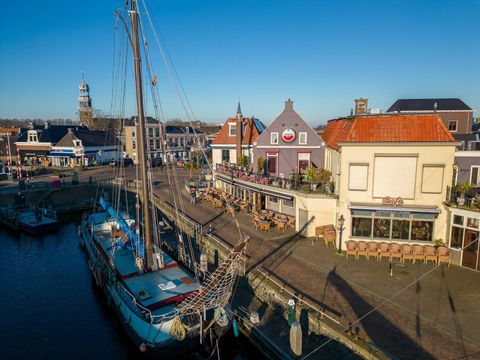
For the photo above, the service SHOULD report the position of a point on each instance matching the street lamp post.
(341, 221)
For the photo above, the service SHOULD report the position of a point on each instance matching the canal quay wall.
(267, 289)
(258, 289)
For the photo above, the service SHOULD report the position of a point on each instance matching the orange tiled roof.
(250, 135)
(386, 128)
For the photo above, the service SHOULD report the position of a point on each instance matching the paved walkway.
(435, 317)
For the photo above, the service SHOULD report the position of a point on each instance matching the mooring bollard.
(291, 312)
(296, 338)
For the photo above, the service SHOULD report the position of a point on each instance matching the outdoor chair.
(362, 249)
(291, 222)
(430, 253)
(372, 250)
(418, 253)
(281, 226)
(256, 224)
(395, 251)
(265, 227)
(330, 236)
(384, 250)
(443, 255)
(407, 253)
(352, 248)
(319, 231)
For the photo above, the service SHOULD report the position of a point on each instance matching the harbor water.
(50, 307)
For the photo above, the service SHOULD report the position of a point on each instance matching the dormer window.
(232, 129)
(32, 136)
(77, 143)
(452, 125)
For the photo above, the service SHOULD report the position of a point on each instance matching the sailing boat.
(160, 303)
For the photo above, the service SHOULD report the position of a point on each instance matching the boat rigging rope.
(178, 330)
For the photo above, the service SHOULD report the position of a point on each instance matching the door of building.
(470, 256)
(303, 220)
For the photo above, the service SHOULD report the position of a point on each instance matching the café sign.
(392, 201)
(288, 135)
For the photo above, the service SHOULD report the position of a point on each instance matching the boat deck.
(153, 290)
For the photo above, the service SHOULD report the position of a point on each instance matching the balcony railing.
(294, 181)
(469, 199)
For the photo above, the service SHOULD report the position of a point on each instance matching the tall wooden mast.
(142, 153)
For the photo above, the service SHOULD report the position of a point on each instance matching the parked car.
(126, 162)
(183, 162)
(157, 161)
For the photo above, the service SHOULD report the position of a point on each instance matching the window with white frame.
(274, 138)
(302, 138)
(452, 125)
(32, 136)
(474, 175)
(232, 129)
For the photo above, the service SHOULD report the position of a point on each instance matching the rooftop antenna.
(83, 75)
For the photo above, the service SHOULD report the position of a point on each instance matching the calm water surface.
(51, 309)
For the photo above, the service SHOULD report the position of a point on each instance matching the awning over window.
(32, 152)
(375, 207)
(254, 188)
(61, 154)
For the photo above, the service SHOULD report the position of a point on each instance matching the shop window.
(225, 155)
(456, 239)
(458, 220)
(400, 229)
(302, 138)
(362, 227)
(274, 138)
(288, 203)
(452, 125)
(472, 222)
(273, 199)
(381, 228)
(422, 230)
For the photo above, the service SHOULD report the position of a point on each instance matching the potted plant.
(260, 165)
(438, 243)
(463, 188)
(311, 176)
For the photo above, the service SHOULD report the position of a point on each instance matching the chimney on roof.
(30, 125)
(361, 106)
(45, 124)
(288, 105)
(435, 106)
(238, 136)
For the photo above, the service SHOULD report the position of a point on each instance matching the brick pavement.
(434, 318)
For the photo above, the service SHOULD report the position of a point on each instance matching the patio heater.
(341, 222)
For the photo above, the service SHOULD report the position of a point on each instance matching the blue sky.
(321, 54)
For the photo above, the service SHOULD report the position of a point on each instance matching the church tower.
(85, 104)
